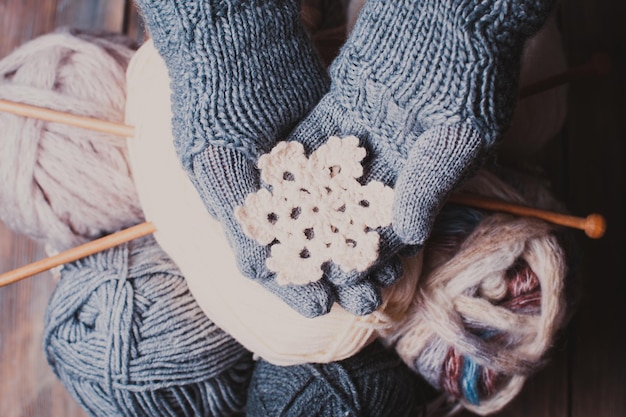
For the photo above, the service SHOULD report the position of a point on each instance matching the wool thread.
(487, 382)
(63, 185)
(123, 333)
(126, 337)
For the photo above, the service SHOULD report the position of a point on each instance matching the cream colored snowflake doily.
(316, 211)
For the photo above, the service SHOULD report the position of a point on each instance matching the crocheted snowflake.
(316, 211)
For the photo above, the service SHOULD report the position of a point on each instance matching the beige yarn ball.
(59, 184)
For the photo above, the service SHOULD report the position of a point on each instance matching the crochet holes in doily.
(315, 211)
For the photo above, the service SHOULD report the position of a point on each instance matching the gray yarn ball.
(373, 383)
(126, 337)
(63, 185)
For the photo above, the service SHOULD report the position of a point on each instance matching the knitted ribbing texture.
(195, 241)
(538, 118)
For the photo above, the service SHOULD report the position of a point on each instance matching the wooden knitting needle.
(85, 122)
(78, 252)
(594, 226)
(598, 65)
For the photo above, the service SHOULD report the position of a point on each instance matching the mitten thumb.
(437, 162)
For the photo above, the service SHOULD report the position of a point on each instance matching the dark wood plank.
(587, 372)
(28, 387)
(596, 153)
(24, 20)
(96, 14)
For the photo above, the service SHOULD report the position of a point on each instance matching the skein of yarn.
(59, 184)
(260, 321)
(373, 383)
(126, 338)
(491, 301)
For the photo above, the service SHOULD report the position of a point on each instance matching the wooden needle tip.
(595, 226)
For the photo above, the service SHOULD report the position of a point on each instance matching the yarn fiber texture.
(491, 302)
(259, 320)
(126, 337)
(59, 184)
(373, 383)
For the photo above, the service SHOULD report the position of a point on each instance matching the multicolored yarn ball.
(373, 383)
(59, 184)
(126, 338)
(491, 301)
(259, 320)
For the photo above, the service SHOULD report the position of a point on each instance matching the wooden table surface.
(587, 374)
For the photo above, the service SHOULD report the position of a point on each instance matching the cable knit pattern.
(411, 65)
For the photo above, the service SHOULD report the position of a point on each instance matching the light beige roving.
(60, 184)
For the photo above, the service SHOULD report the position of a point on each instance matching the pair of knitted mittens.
(321, 183)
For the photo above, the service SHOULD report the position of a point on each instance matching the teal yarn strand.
(125, 336)
(373, 383)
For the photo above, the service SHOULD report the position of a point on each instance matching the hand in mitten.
(427, 87)
(243, 74)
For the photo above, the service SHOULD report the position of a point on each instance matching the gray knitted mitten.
(427, 87)
(243, 74)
